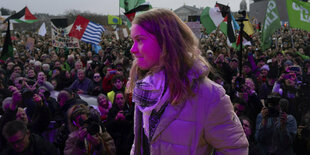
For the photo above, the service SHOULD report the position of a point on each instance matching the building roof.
(190, 8)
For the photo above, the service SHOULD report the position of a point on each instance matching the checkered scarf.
(149, 95)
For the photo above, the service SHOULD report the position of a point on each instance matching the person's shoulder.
(42, 146)
(38, 140)
(208, 86)
(88, 79)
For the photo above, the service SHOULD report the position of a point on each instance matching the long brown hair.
(179, 51)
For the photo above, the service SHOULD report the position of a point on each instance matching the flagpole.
(119, 17)
(241, 20)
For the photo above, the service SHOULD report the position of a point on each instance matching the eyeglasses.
(96, 76)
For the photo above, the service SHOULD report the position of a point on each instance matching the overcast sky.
(57, 7)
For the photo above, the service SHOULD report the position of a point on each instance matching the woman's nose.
(134, 48)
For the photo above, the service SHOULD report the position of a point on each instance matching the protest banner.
(61, 39)
(195, 27)
(30, 43)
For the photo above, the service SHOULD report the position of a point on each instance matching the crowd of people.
(270, 95)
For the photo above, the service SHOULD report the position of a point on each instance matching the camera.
(294, 69)
(94, 64)
(272, 102)
(93, 126)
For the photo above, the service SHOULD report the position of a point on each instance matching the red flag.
(86, 30)
(79, 27)
(131, 16)
(142, 7)
(29, 15)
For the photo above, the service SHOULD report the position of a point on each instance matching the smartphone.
(295, 69)
(112, 71)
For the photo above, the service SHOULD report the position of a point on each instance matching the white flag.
(42, 30)
(116, 35)
(125, 32)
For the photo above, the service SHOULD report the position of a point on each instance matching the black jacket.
(37, 146)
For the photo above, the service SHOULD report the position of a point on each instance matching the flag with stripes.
(86, 30)
(23, 15)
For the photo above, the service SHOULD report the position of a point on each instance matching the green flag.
(130, 4)
(23, 15)
(114, 20)
(211, 18)
(7, 50)
(298, 14)
(271, 24)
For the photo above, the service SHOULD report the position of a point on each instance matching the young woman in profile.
(178, 109)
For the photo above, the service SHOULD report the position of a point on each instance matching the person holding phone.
(275, 128)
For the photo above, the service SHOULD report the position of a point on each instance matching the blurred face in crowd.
(56, 72)
(89, 54)
(249, 84)
(77, 56)
(100, 53)
(21, 115)
(62, 97)
(62, 59)
(260, 64)
(271, 81)
(97, 77)
(54, 83)
(57, 64)
(18, 83)
(120, 100)
(264, 72)
(47, 60)
(54, 57)
(37, 98)
(17, 69)
(19, 141)
(246, 127)
(77, 120)
(279, 57)
(41, 76)
(145, 48)
(234, 64)
(10, 66)
(68, 74)
(118, 84)
(46, 68)
(78, 65)
(81, 75)
(246, 69)
(239, 109)
(103, 102)
(31, 73)
(290, 79)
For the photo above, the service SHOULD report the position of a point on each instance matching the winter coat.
(37, 146)
(201, 125)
